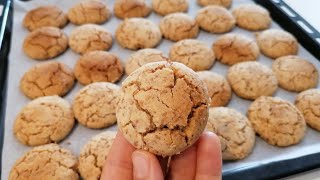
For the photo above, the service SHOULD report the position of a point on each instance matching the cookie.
(295, 73)
(277, 121)
(308, 103)
(142, 57)
(215, 19)
(275, 43)
(89, 37)
(251, 80)
(98, 66)
(164, 7)
(178, 26)
(131, 8)
(46, 79)
(218, 87)
(94, 105)
(45, 16)
(163, 108)
(44, 120)
(234, 48)
(45, 43)
(192, 53)
(224, 3)
(94, 154)
(89, 12)
(252, 17)
(138, 33)
(234, 130)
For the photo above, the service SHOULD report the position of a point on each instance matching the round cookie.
(46, 162)
(218, 87)
(44, 120)
(138, 33)
(46, 79)
(295, 73)
(94, 105)
(89, 11)
(192, 53)
(224, 3)
(45, 16)
(252, 17)
(45, 43)
(234, 48)
(178, 26)
(215, 19)
(275, 43)
(89, 37)
(164, 7)
(131, 8)
(277, 121)
(163, 108)
(98, 66)
(251, 80)
(94, 154)
(234, 130)
(142, 57)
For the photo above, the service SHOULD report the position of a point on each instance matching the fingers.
(164, 164)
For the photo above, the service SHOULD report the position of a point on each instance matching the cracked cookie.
(45, 16)
(131, 8)
(163, 108)
(164, 7)
(251, 80)
(45, 79)
(234, 130)
(277, 121)
(44, 120)
(192, 53)
(46, 162)
(142, 57)
(94, 154)
(178, 26)
(89, 11)
(234, 48)
(45, 43)
(224, 3)
(94, 106)
(215, 19)
(218, 88)
(295, 73)
(138, 33)
(275, 43)
(98, 66)
(89, 37)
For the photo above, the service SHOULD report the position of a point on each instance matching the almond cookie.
(295, 73)
(277, 121)
(98, 66)
(90, 37)
(45, 43)
(138, 33)
(94, 154)
(45, 16)
(218, 88)
(234, 48)
(45, 79)
(234, 130)
(164, 7)
(178, 26)
(224, 3)
(89, 11)
(131, 8)
(44, 120)
(251, 80)
(163, 108)
(142, 57)
(46, 162)
(275, 43)
(192, 53)
(94, 105)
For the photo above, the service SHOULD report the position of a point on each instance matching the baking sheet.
(19, 63)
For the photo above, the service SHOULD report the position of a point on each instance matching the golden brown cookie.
(163, 108)
(164, 7)
(224, 3)
(131, 8)
(46, 79)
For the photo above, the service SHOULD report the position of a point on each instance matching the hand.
(202, 161)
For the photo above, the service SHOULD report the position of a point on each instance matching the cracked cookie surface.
(224, 3)
(163, 108)
(164, 7)
(131, 8)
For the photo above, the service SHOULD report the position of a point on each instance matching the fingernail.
(140, 165)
